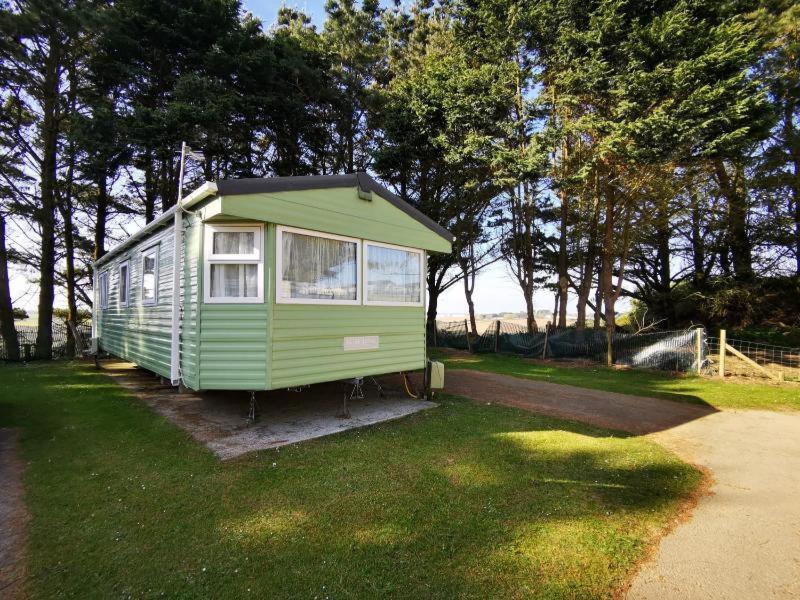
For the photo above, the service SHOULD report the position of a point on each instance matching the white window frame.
(102, 281)
(151, 251)
(209, 258)
(125, 263)
(422, 290)
(279, 267)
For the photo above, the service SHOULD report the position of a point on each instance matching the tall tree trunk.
(150, 190)
(66, 208)
(469, 287)
(556, 307)
(698, 243)
(610, 244)
(738, 239)
(69, 273)
(664, 268)
(433, 303)
(101, 219)
(530, 320)
(46, 212)
(598, 303)
(7, 327)
(588, 267)
(797, 231)
(563, 280)
(792, 139)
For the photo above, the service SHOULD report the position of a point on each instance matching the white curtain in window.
(393, 275)
(234, 242)
(234, 280)
(149, 277)
(318, 268)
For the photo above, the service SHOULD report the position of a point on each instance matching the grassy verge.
(699, 390)
(462, 500)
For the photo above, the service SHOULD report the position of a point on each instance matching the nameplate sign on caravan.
(362, 342)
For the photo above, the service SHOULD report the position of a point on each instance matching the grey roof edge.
(233, 187)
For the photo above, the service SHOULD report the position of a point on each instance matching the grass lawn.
(699, 390)
(462, 500)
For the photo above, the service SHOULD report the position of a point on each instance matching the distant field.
(483, 322)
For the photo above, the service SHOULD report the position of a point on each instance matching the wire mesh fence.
(450, 334)
(745, 358)
(667, 350)
(26, 336)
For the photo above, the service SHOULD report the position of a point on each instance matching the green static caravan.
(281, 282)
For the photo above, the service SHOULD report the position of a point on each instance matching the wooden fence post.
(496, 335)
(466, 331)
(544, 349)
(722, 344)
(698, 348)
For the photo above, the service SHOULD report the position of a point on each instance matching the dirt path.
(13, 516)
(635, 414)
(743, 539)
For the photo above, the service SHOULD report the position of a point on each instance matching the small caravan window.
(124, 283)
(103, 289)
(393, 275)
(317, 268)
(233, 266)
(150, 276)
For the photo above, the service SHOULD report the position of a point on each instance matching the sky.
(495, 290)
(266, 10)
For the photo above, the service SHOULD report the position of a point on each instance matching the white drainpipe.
(177, 271)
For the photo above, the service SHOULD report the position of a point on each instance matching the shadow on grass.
(463, 500)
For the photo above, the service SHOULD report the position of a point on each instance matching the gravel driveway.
(743, 539)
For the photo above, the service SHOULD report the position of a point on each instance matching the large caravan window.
(317, 268)
(234, 267)
(104, 289)
(150, 276)
(124, 283)
(393, 275)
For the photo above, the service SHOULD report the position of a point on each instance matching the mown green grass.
(698, 390)
(462, 500)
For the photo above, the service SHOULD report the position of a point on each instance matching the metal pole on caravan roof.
(174, 371)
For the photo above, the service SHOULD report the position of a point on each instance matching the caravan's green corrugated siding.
(337, 210)
(307, 342)
(234, 338)
(138, 333)
(233, 346)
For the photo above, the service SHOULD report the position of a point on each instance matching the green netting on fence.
(451, 334)
(668, 350)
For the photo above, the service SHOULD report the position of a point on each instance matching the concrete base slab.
(281, 424)
(218, 419)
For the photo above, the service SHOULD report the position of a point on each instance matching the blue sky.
(268, 9)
